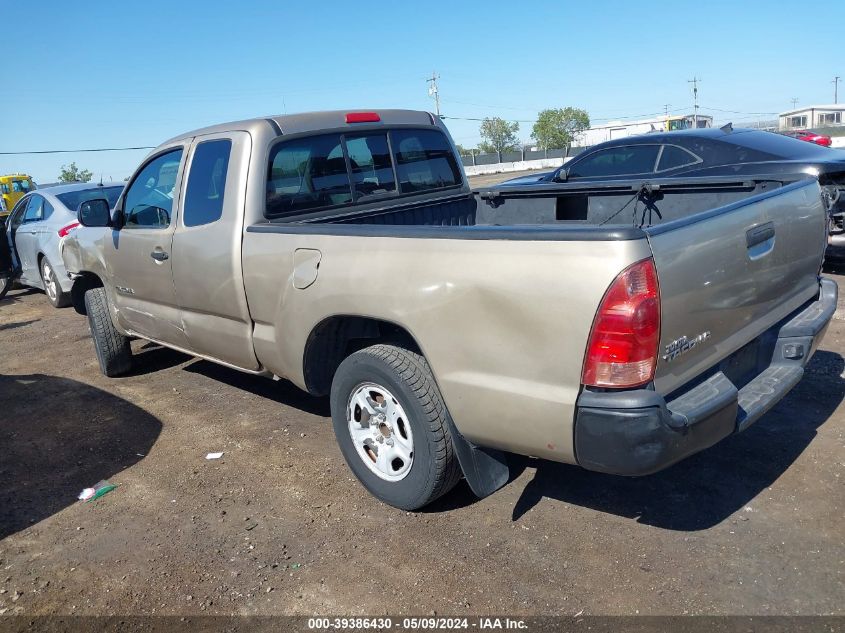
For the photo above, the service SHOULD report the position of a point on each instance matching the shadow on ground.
(280, 391)
(152, 357)
(15, 295)
(706, 488)
(17, 324)
(59, 436)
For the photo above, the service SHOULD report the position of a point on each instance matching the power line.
(73, 151)
(737, 111)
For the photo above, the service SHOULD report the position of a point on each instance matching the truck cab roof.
(305, 122)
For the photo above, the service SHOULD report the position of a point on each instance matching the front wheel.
(392, 426)
(112, 347)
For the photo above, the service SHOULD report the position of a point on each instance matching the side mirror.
(94, 213)
(562, 175)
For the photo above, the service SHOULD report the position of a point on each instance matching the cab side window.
(148, 202)
(207, 182)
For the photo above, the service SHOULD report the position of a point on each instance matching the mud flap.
(485, 469)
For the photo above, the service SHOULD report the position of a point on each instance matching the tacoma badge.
(683, 345)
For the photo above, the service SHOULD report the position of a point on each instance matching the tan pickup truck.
(620, 326)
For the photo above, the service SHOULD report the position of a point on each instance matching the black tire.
(112, 347)
(55, 295)
(434, 470)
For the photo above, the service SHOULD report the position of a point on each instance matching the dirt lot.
(279, 526)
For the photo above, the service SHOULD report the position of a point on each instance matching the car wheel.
(392, 426)
(57, 297)
(112, 347)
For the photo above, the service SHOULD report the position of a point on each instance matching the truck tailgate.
(729, 274)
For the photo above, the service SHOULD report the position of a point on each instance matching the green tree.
(557, 128)
(72, 173)
(499, 136)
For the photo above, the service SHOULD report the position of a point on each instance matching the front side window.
(616, 161)
(424, 161)
(207, 183)
(307, 173)
(35, 209)
(370, 164)
(149, 199)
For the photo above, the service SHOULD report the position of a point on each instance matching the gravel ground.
(279, 525)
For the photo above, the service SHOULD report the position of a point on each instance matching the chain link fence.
(474, 158)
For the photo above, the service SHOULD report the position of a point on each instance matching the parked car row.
(621, 321)
(35, 232)
(810, 137)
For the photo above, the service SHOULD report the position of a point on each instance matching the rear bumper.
(639, 432)
(836, 245)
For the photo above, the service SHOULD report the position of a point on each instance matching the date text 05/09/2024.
(423, 623)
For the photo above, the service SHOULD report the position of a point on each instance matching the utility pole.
(433, 91)
(666, 107)
(694, 81)
(794, 102)
(835, 83)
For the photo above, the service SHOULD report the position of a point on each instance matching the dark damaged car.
(722, 152)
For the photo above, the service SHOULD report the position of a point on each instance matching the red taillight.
(63, 232)
(823, 140)
(622, 350)
(362, 117)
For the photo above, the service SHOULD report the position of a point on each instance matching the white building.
(621, 129)
(811, 117)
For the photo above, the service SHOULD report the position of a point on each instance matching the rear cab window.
(324, 171)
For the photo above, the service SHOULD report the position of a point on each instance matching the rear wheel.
(392, 426)
(112, 347)
(55, 295)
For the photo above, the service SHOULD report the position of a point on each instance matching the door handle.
(159, 256)
(759, 234)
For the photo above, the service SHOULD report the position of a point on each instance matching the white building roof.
(834, 107)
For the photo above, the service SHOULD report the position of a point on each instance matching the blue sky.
(88, 74)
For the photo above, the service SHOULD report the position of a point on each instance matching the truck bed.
(733, 259)
(632, 203)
